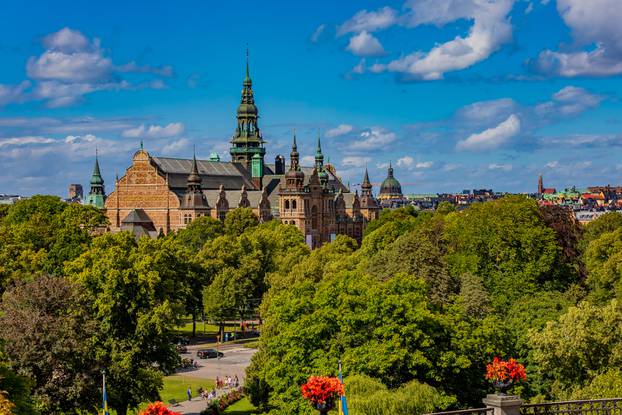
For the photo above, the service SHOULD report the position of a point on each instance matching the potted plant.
(322, 391)
(505, 373)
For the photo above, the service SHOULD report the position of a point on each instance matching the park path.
(234, 362)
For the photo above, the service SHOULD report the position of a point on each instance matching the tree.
(239, 220)
(368, 396)
(571, 351)
(199, 231)
(603, 261)
(508, 245)
(419, 253)
(48, 337)
(137, 291)
(17, 390)
(608, 222)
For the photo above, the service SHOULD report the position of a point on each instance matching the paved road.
(234, 362)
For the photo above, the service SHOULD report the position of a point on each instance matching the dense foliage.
(415, 313)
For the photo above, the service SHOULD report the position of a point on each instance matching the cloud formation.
(595, 25)
(490, 30)
(372, 139)
(155, 131)
(365, 44)
(71, 67)
(492, 137)
(340, 130)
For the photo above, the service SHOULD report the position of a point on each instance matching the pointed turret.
(194, 198)
(294, 178)
(247, 140)
(97, 194)
(194, 180)
(366, 186)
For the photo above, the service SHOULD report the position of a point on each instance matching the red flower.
(501, 370)
(157, 408)
(321, 389)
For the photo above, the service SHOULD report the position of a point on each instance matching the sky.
(456, 94)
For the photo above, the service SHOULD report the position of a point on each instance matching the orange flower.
(321, 389)
(501, 370)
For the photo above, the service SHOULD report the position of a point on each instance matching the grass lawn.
(186, 328)
(175, 387)
(241, 407)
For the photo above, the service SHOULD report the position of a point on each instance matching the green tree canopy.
(137, 291)
(48, 337)
(239, 220)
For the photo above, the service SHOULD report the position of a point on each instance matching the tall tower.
(97, 195)
(540, 185)
(247, 140)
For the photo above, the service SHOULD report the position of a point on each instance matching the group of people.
(227, 382)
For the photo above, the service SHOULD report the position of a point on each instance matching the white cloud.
(485, 111)
(492, 137)
(24, 141)
(552, 164)
(341, 129)
(79, 138)
(72, 66)
(355, 161)
(595, 24)
(369, 21)
(154, 131)
(359, 68)
(424, 165)
(503, 167)
(13, 93)
(490, 30)
(372, 139)
(570, 100)
(67, 40)
(451, 167)
(307, 161)
(175, 146)
(406, 162)
(365, 44)
(318, 33)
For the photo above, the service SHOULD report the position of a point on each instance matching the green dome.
(390, 185)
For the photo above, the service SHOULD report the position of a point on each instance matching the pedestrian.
(237, 381)
(189, 391)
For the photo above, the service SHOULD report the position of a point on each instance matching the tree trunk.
(122, 410)
(194, 324)
(221, 330)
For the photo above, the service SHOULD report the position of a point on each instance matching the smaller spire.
(319, 144)
(247, 72)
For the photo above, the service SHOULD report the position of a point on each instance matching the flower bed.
(217, 406)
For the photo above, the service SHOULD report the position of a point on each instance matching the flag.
(104, 396)
(343, 405)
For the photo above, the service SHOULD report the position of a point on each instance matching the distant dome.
(390, 187)
(214, 157)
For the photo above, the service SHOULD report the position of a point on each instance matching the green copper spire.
(97, 195)
(247, 139)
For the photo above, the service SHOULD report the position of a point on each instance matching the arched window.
(294, 222)
(294, 204)
(286, 204)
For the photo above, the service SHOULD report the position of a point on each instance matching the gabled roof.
(136, 216)
(213, 173)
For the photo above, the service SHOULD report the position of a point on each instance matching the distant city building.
(75, 192)
(10, 199)
(390, 194)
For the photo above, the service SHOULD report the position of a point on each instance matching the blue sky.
(457, 94)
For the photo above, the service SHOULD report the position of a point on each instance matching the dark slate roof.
(213, 173)
(136, 216)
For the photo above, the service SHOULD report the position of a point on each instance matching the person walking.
(189, 392)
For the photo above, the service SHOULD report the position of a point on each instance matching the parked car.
(181, 340)
(181, 348)
(209, 354)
